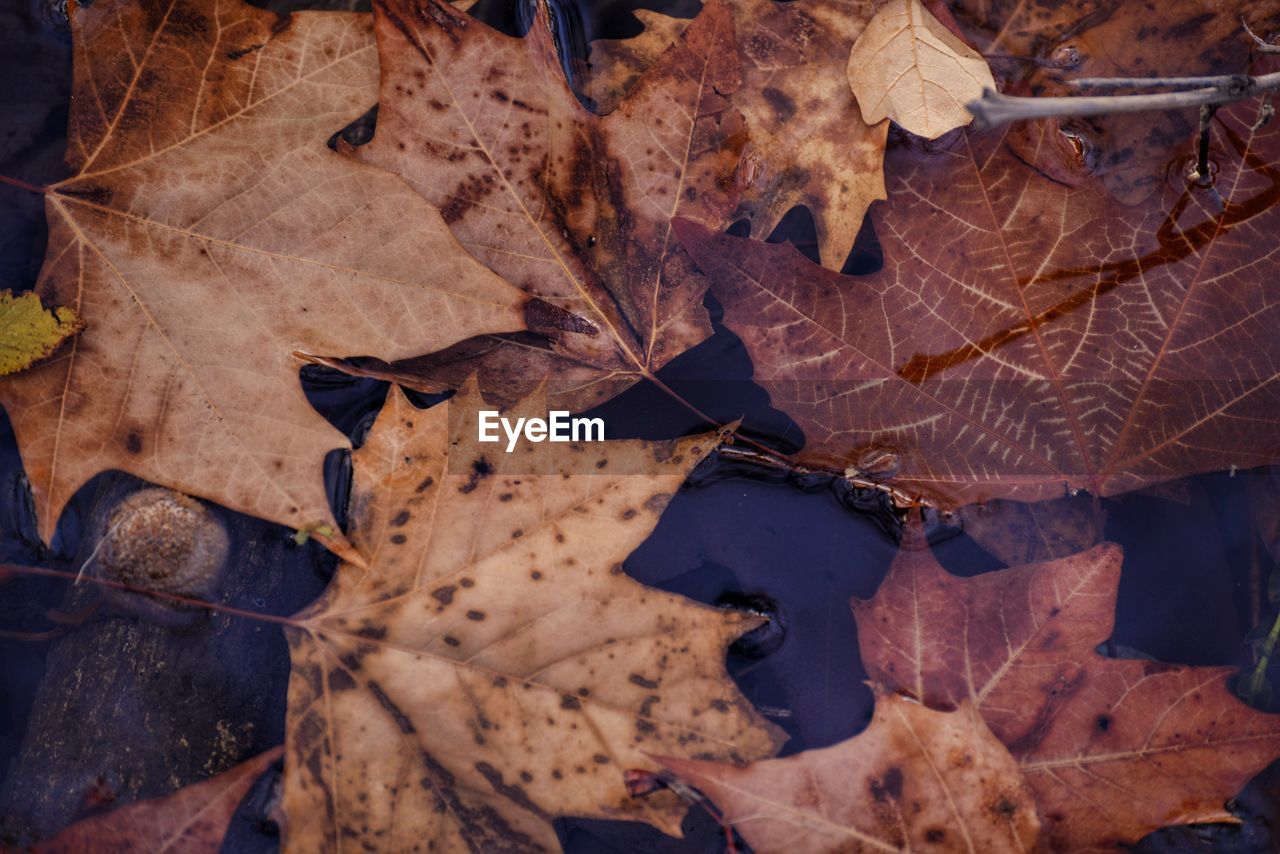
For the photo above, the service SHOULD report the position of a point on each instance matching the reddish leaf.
(1025, 335)
(193, 819)
(1112, 748)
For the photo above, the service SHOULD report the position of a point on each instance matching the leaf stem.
(189, 601)
(23, 185)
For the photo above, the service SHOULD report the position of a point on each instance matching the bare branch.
(997, 109)
(1223, 82)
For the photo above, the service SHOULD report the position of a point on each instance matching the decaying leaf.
(914, 780)
(29, 332)
(809, 145)
(494, 667)
(1112, 749)
(908, 67)
(193, 820)
(572, 207)
(1025, 336)
(208, 233)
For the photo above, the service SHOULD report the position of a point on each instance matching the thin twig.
(1259, 42)
(997, 109)
(1224, 82)
(1201, 175)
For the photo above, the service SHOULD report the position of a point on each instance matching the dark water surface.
(794, 548)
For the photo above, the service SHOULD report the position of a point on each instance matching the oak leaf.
(206, 234)
(809, 143)
(192, 820)
(494, 667)
(1025, 337)
(1112, 749)
(29, 332)
(914, 780)
(908, 67)
(573, 207)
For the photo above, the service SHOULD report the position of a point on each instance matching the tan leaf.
(192, 820)
(1113, 749)
(206, 234)
(29, 332)
(572, 207)
(908, 67)
(809, 143)
(914, 780)
(494, 667)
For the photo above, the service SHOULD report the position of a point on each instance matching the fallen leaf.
(909, 68)
(573, 207)
(29, 332)
(494, 667)
(914, 780)
(206, 234)
(1112, 749)
(1025, 337)
(809, 144)
(192, 820)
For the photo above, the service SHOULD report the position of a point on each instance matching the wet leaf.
(809, 143)
(908, 67)
(1025, 336)
(572, 207)
(1016, 532)
(193, 820)
(1112, 749)
(914, 780)
(206, 234)
(494, 667)
(29, 332)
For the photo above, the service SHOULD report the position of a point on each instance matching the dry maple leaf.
(494, 667)
(192, 820)
(572, 207)
(907, 67)
(1113, 749)
(206, 234)
(1025, 336)
(914, 780)
(809, 145)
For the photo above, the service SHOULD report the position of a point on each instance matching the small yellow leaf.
(29, 332)
(908, 67)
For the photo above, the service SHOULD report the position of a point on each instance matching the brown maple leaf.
(207, 233)
(809, 145)
(1025, 336)
(914, 780)
(573, 207)
(494, 667)
(192, 820)
(1112, 749)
